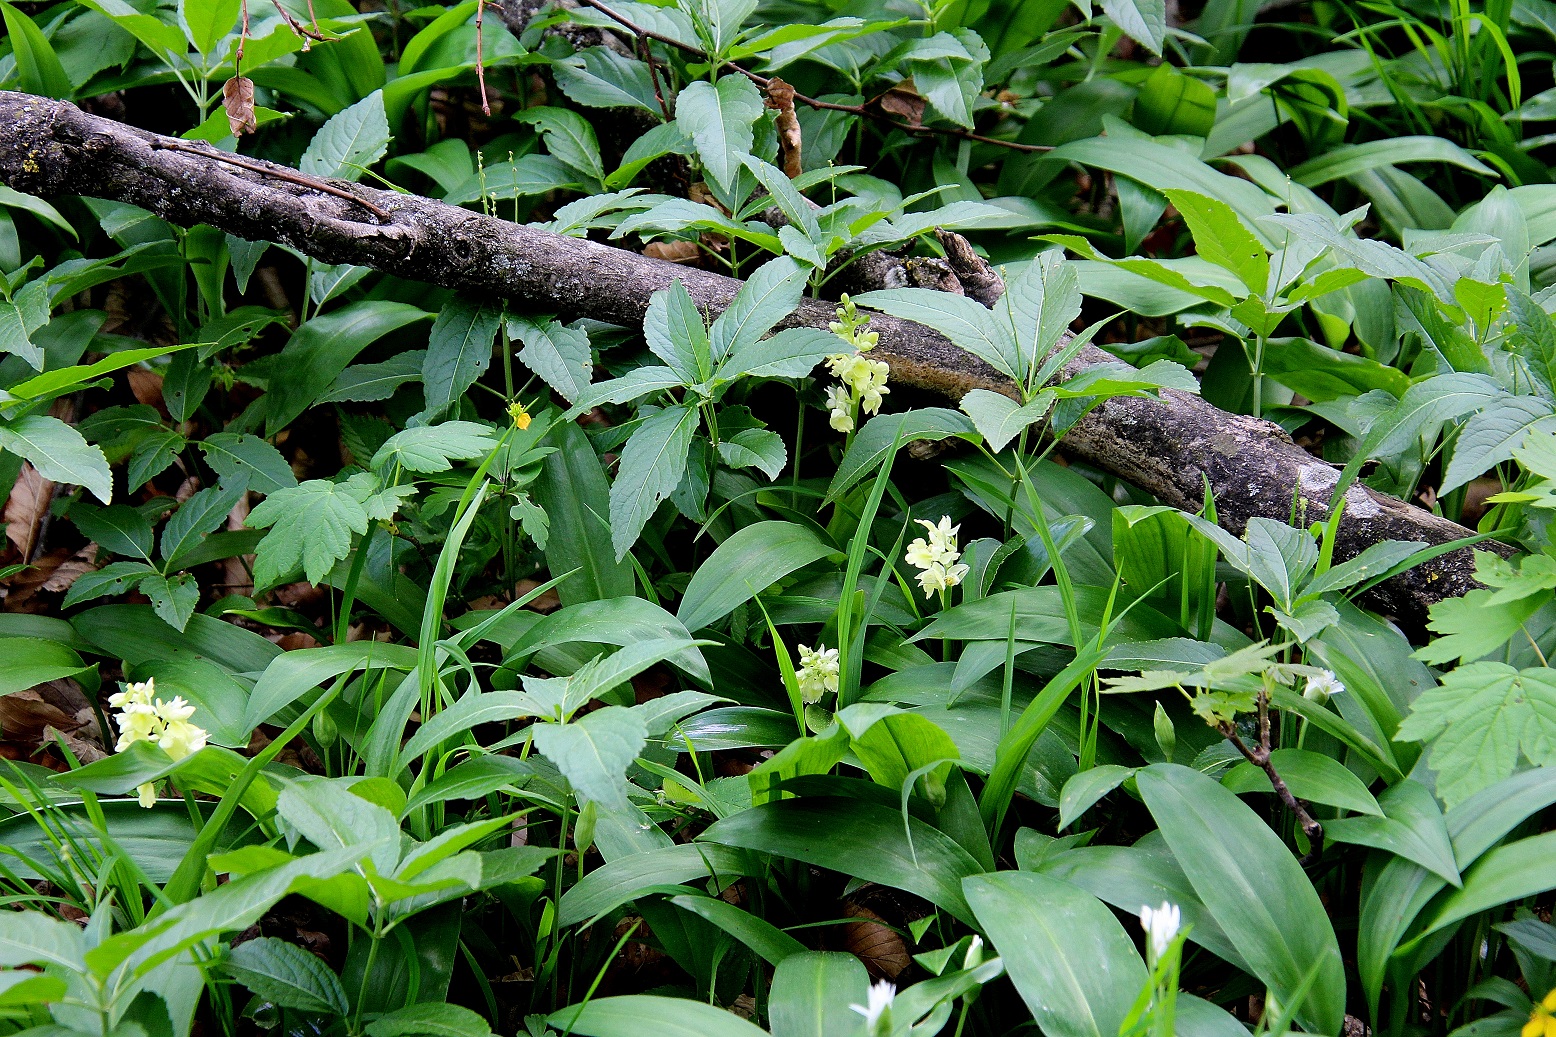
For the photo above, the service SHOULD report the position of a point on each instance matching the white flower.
(1161, 925)
(879, 1008)
(1321, 685)
(936, 557)
(841, 405)
(145, 718)
(818, 672)
(974, 955)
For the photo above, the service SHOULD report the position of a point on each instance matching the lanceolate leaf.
(594, 753)
(458, 351)
(58, 452)
(558, 353)
(651, 467)
(719, 120)
(350, 142)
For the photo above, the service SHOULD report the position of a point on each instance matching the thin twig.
(243, 38)
(480, 62)
(811, 102)
(279, 173)
(298, 27)
(1259, 756)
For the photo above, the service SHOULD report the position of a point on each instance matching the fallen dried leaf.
(24, 510)
(238, 100)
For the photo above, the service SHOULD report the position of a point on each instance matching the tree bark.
(1171, 448)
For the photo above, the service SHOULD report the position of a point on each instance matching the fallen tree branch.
(1171, 448)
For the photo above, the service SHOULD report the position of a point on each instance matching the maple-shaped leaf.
(1475, 625)
(1479, 720)
(310, 526)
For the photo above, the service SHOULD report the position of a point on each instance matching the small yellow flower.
(519, 415)
(1542, 1021)
(818, 672)
(935, 556)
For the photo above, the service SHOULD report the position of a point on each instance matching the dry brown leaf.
(546, 602)
(673, 251)
(903, 102)
(24, 510)
(238, 100)
(147, 387)
(84, 750)
(780, 96)
(880, 947)
(26, 715)
(71, 570)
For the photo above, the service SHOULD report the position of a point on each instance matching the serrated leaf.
(561, 355)
(434, 448)
(569, 138)
(1479, 720)
(1473, 626)
(459, 350)
(248, 460)
(1144, 21)
(59, 453)
(369, 383)
(1222, 238)
(310, 526)
(114, 578)
(1000, 419)
(1490, 437)
(960, 319)
(651, 467)
(755, 448)
(350, 141)
(197, 516)
(594, 752)
(285, 974)
(172, 597)
(719, 120)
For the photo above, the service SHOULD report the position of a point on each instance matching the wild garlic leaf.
(1479, 721)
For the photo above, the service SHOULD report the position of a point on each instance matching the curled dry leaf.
(904, 102)
(25, 508)
(780, 97)
(238, 100)
(872, 941)
(673, 251)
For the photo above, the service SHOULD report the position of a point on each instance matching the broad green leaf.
(862, 839)
(575, 493)
(1253, 886)
(134, 634)
(1490, 437)
(26, 662)
(962, 320)
(37, 66)
(172, 597)
(1222, 238)
(201, 514)
(285, 974)
(812, 992)
(677, 333)
(311, 527)
(719, 120)
(1172, 102)
(247, 461)
(208, 21)
(1412, 828)
(1351, 159)
(651, 467)
(616, 882)
(429, 1019)
(433, 448)
(34, 938)
(875, 439)
(594, 752)
(745, 565)
(1000, 419)
(291, 675)
(1070, 959)
(1479, 720)
(761, 936)
(459, 350)
(1311, 776)
(329, 816)
(767, 297)
(350, 141)
(758, 448)
(558, 353)
(58, 452)
(1087, 787)
(649, 1015)
(369, 383)
(1144, 21)
(1506, 874)
(569, 137)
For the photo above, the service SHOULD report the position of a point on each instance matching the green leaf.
(746, 564)
(1506, 874)
(172, 597)
(962, 320)
(594, 752)
(311, 527)
(1479, 720)
(285, 974)
(677, 334)
(1000, 419)
(1144, 21)
(291, 675)
(201, 514)
(26, 662)
(767, 297)
(431, 1019)
(569, 138)
(626, 878)
(862, 839)
(875, 439)
(1253, 886)
(114, 578)
(719, 121)
(351, 141)
(651, 467)
(433, 448)
(246, 460)
(1171, 102)
(59, 453)
(648, 1015)
(458, 351)
(573, 489)
(329, 816)
(208, 22)
(1473, 626)
(757, 448)
(1413, 829)
(559, 354)
(1311, 776)
(33, 938)
(1491, 437)
(812, 992)
(1086, 788)
(1222, 238)
(118, 528)
(369, 383)
(1070, 959)
(37, 65)
(1351, 159)
(761, 936)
